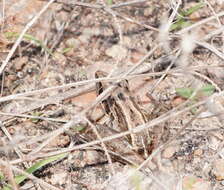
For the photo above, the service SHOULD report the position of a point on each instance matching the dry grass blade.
(152, 123)
(30, 176)
(102, 144)
(171, 50)
(211, 48)
(163, 146)
(127, 3)
(18, 41)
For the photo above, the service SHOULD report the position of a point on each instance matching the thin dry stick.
(80, 90)
(62, 96)
(163, 146)
(34, 117)
(30, 176)
(65, 86)
(15, 147)
(134, 130)
(73, 92)
(135, 21)
(160, 148)
(102, 96)
(211, 48)
(102, 144)
(117, 23)
(200, 23)
(69, 174)
(18, 41)
(207, 79)
(11, 177)
(113, 87)
(52, 100)
(48, 135)
(3, 16)
(117, 14)
(117, 5)
(17, 150)
(213, 33)
(215, 156)
(199, 129)
(165, 27)
(45, 143)
(165, 74)
(9, 172)
(174, 13)
(131, 162)
(29, 141)
(73, 3)
(10, 97)
(213, 11)
(109, 10)
(101, 6)
(142, 60)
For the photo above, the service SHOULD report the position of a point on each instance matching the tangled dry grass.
(171, 53)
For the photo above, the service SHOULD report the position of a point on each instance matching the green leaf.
(78, 128)
(109, 2)
(181, 21)
(30, 38)
(1, 176)
(206, 90)
(65, 50)
(184, 92)
(136, 181)
(20, 178)
(35, 120)
(193, 9)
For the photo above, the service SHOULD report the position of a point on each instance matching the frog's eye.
(99, 88)
(121, 96)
